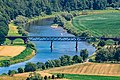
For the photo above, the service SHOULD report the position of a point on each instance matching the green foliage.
(11, 72)
(34, 76)
(60, 76)
(108, 54)
(77, 59)
(20, 70)
(30, 67)
(84, 54)
(20, 20)
(5, 63)
(101, 43)
(40, 65)
(45, 78)
(68, 17)
(31, 46)
(102, 55)
(58, 20)
(65, 60)
(23, 55)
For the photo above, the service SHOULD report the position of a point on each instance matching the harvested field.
(89, 69)
(11, 51)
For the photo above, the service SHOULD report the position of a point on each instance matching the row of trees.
(108, 54)
(62, 61)
(37, 76)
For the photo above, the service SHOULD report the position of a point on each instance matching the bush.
(45, 78)
(5, 63)
(30, 67)
(20, 70)
(11, 72)
(53, 76)
(60, 75)
(31, 45)
(34, 76)
(101, 43)
(20, 20)
(68, 17)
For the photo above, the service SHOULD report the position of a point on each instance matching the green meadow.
(90, 77)
(107, 24)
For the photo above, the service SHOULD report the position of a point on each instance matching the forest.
(10, 9)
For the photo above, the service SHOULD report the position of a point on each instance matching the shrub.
(30, 67)
(68, 17)
(53, 76)
(20, 70)
(11, 72)
(101, 43)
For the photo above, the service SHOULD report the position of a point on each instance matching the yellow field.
(89, 69)
(11, 51)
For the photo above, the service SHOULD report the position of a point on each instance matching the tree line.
(62, 61)
(109, 54)
(10, 9)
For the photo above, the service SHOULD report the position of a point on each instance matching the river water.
(42, 28)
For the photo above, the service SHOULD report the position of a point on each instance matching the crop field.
(89, 69)
(89, 77)
(107, 24)
(11, 51)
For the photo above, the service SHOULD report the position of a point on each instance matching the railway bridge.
(56, 38)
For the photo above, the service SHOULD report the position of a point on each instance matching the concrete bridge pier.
(76, 46)
(51, 46)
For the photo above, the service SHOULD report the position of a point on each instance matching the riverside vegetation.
(24, 10)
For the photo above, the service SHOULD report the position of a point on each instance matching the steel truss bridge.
(56, 38)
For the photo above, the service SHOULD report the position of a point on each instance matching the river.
(42, 28)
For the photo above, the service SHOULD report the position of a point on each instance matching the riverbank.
(16, 57)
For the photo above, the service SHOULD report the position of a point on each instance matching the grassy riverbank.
(23, 56)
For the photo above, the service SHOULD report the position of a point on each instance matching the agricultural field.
(89, 77)
(99, 24)
(89, 69)
(13, 50)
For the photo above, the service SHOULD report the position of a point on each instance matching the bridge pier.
(51, 46)
(12, 41)
(76, 46)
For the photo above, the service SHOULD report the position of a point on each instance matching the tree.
(57, 63)
(20, 70)
(101, 43)
(48, 11)
(102, 55)
(77, 59)
(34, 76)
(65, 60)
(117, 55)
(40, 65)
(45, 78)
(68, 17)
(84, 54)
(30, 67)
(11, 72)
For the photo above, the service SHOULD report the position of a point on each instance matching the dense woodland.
(10, 9)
